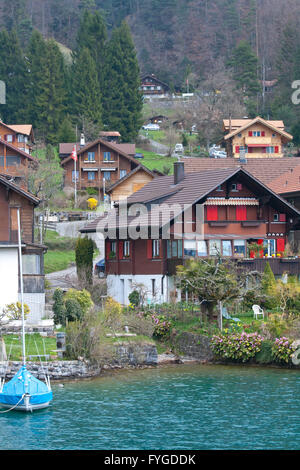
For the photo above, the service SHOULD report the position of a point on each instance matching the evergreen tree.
(244, 63)
(86, 96)
(66, 132)
(84, 252)
(122, 101)
(50, 92)
(13, 72)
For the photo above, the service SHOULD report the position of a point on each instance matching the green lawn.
(156, 162)
(58, 260)
(35, 344)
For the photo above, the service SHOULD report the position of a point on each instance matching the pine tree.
(13, 72)
(50, 93)
(244, 63)
(84, 252)
(66, 132)
(86, 96)
(122, 101)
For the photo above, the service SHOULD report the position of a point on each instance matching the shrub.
(59, 308)
(14, 311)
(238, 347)
(73, 310)
(265, 355)
(84, 252)
(282, 350)
(83, 297)
(134, 298)
(162, 326)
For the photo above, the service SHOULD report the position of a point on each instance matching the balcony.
(279, 266)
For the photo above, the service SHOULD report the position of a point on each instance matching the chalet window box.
(218, 224)
(109, 161)
(89, 161)
(251, 223)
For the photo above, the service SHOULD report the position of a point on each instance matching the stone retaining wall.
(193, 345)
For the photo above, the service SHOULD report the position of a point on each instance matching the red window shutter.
(264, 150)
(237, 149)
(239, 187)
(276, 149)
(121, 246)
(252, 254)
(149, 249)
(250, 133)
(250, 149)
(5, 136)
(13, 138)
(211, 213)
(280, 245)
(263, 133)
(282, 218)
(241, 213)
(107, 249)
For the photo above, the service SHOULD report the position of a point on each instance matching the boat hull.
(27, 403)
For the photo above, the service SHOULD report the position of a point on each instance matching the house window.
(126, 249)
(233, 187)
(190, 248)
(153, 287)
(219, 188)
(239, 247)
(270, 149)
(91, 175)
(2, 161)
(13, 160)
(21, 138)
(31, 264)
(91, 156)
(276, 218)
(9, 138)
(106, 175)
(226, 248)
(73, 176)
(202, 248)
(123, 173)
(214, 247)
(107, 156)
(269, 247)
(113, 249)
(155, 248)
(174, 249)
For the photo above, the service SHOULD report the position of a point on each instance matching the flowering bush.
(162, 325)
(240, 347)
(282, 350)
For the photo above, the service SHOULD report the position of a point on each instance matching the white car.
(151, 127)
(220, 154)
(178, 148)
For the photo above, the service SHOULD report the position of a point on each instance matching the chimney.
(178, 172)
(82, 140)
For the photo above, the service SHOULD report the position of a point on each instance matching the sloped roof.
(261, 121)
(13, 186)
(17, 150)
(274, 172)
(128, 175)
(25, 129)
(164, 195)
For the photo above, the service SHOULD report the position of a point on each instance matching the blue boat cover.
(25, 382)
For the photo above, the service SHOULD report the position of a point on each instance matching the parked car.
(139, 155)
(178, 148)
(151, 127)
(220, 154)
(100, 268)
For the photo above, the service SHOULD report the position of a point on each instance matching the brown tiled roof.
(109, 134)
(269, 171)
(16, 149)
(274, 125)
(66, 148)
(127, 148)
(168, 200)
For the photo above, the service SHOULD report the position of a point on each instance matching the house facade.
(195, 215)
(14, 162)
(12, 198)
(100, 165)
(18, 135)
(151, 87)
(254, 138)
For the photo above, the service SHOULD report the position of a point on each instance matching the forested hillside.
(238, 42)
(169, 35)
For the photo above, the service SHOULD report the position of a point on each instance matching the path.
(156, 147)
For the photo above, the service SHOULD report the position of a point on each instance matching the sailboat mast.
(21, 286)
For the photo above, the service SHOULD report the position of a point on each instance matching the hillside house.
(254, 138)
(193, 215)
(100, 165)
(12, 197)
(15, 163)
(18, 135)
(151, 87)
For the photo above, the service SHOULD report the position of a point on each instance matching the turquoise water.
(176, 407)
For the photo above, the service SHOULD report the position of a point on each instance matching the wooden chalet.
(100, 165)
(194, 215)
(12, 197)
(18, 135)
(254, 138)
(151, 87)
(14, 162)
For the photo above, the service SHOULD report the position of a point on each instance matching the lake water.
(182, 407)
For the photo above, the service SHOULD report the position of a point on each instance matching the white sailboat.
(24, 391)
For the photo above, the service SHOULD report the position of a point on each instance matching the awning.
(89, 169)
(232, 201)
(258, 145)
(108, 169)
